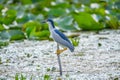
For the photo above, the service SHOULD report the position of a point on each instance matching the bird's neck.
(51, 26)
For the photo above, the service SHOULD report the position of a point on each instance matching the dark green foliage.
(12, 35)
(20, 77)
(0, 60)
(86, 22)
(34, 30)
(1, 27)
(24, 18)
(66, 23)
(1, 7)
(3, 43)
(20, 19)
(31, 28)
(16, 34)
(16, 77)
(56, 12)
(113, 22)
(75, 41)
(116, 78)
(5, 35)
(43, 34)
(47, 77)
(99, 44)
(9, 17)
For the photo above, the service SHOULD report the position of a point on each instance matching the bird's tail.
(71, 48)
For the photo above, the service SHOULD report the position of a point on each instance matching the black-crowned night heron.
(61, 39)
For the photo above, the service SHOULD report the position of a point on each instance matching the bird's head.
(49, 20)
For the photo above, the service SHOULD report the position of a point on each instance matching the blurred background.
(92, 25)
(21, 19)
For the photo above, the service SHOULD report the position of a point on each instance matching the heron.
(60, 39)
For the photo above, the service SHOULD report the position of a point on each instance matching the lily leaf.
(1, 27)
(16, 34)
(66, 23)
(56, 11)
(31, 28)
(43, 34)
(9, 17)
(1, 7)
(113, 22)
(12, 35)
(3, 43)
(4, 35)
(86, 21)
(26, 1)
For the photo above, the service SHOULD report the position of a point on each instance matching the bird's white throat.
(51, 27)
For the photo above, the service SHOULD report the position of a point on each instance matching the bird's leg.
(60, 51)
(58, 55)
(64, 49)
(59, 61)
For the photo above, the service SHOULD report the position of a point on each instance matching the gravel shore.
(97, 57)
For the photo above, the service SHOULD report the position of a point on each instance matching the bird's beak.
(44, 21)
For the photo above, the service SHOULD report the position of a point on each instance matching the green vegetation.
(79, 54)
(21, 19)
(22, 77)
(75, 41)
(47, 77)
(3, 43)
(44, 77)
(0, 60)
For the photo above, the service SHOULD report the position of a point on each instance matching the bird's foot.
(60, 51)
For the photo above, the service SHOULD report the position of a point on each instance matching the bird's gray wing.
(62, 35)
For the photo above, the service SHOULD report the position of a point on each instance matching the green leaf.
(11, 13)
(117, 4)
(1, 1)
(86, 22)
(113, 23)
(1, 7)
(100, 11)
(47, 77)
(1, 18)
(66, 23)
(31, 28)
(43, 34)
(31, 32)
(56, 11)
(3, 43)
(9, 17)
(62, 5)
(16, 34)
(32, 24)
(26, 1)
(1, 27)
(24, 18)
(84, 1)
(12, 35)
(22, 77)
(16, 77)
(75, 41)
(5, 35)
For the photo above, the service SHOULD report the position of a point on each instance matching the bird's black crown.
(50, 20)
